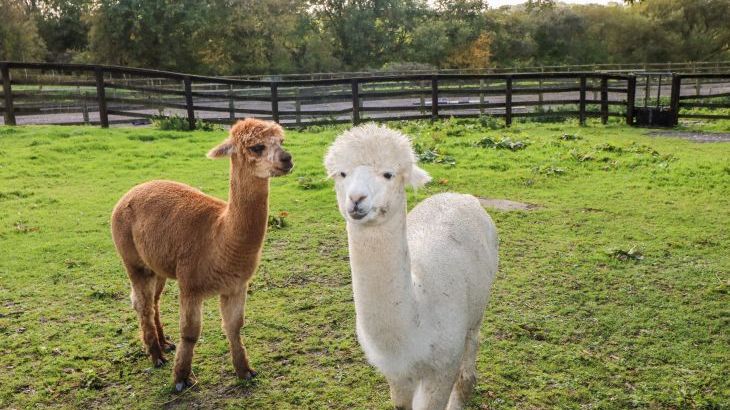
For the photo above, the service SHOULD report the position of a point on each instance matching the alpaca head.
(371, 166)
(256, 144)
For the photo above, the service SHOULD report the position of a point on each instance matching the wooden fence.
(626, 68)
(103, 95)
(683, 103)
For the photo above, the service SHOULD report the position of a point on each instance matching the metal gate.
(653, 103)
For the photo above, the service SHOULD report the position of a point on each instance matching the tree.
(287, 36)
(369, 32)
(19, 38)
(61, 25)
(475, 55)
(155, 34)
(245, 36)
(618, 34)
(513, 43)
(699, 29)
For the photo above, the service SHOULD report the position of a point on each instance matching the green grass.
(573, 322)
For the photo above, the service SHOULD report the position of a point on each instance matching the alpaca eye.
(388, 175)
(342, 174)
(258, 149)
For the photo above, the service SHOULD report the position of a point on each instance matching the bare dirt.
(693, 136)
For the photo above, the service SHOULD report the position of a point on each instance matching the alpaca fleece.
(421, 281)
(167, 230)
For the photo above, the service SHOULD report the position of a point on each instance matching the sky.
(497, 3)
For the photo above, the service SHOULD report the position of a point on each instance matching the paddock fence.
(72, 94)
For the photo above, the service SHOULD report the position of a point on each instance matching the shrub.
(179, 123)
(487, 121)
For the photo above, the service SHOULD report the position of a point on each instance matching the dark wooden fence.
(686, 101)
(104, 95)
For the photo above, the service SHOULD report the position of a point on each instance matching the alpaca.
(420, 281)
(167, 230)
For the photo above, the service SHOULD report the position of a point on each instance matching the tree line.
(230, 37)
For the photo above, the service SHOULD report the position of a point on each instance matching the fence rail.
(103, 95)
(688, 67)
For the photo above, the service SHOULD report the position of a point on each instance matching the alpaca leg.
(232, 311)
(143, 299)
(401, 392)
(434, 390)
(190, 317)
(467, 373)
(165, 344)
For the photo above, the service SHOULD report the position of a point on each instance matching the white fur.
(421, 281)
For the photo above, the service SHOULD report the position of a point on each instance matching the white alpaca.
(421, 282)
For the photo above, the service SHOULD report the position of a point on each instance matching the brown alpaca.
(167, 230)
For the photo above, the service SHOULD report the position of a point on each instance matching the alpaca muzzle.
(285, 163)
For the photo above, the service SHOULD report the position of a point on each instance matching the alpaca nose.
(357, 198)
(285, 157)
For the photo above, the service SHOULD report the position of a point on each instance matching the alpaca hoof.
(158, 360)
(180, 386)
(168, 346)
(250, 374)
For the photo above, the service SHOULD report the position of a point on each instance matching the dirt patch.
(506, 205)
(693, 136)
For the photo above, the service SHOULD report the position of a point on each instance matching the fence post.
(697, 80)
(85, 107)
(676, 92)
(231, 104)
(8, 95)
(434, 98)
(189, 101)
(355, 101)
(582, 101)
(298, 106)
(630, 99)
(481, 96)
(101, 97)
(508, 101)
(275, 101)
(604, 99)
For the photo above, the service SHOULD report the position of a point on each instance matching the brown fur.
(168, 230)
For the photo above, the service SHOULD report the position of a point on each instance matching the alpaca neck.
(246, 216)
(381, 280)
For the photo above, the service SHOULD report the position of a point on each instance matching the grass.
(613, 294)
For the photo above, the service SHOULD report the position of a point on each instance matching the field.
(612, 293)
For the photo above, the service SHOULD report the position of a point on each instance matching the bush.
(178, 123)
(487, 121)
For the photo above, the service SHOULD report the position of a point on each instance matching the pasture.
(612, 292)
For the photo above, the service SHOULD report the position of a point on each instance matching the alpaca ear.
(223, 150)
(418, 177)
